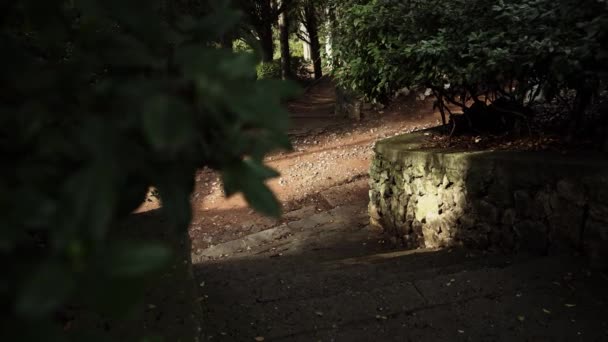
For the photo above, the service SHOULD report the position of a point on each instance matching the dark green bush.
(102, 99)
(473, 50)
(269, 70)
(272, 70)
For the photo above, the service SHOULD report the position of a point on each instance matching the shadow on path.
(315, 295)
(330, 277)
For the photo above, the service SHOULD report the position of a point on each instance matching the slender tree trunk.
(267, 43)
(284, 41)
(584, 95)
(227, 40)
(605, 145)
(313, 34)
(305, 42)
(264, 31)
(331, 18)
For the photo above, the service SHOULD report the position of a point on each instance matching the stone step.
(289, 236)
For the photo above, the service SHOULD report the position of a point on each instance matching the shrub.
(272, 70)
(100, 101)
(269, 70)
(469, 51)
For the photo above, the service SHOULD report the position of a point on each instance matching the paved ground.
(322, 274)
(329, 277)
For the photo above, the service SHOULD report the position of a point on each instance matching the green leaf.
(45, 290)
(137, 259)
(249, 178)
(167, 123)
(260, 198)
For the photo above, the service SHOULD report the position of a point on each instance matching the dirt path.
(329, 152)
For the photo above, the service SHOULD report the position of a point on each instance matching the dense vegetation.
(288, 24)
(470, 51)
(101, 100)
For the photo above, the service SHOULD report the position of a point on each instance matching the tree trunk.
(227, 40)
(331, 18)
(284, 42)
(605, 145)
(584, 94)
(305, 42)
(264, 31)
(313, 34)
(267, 43)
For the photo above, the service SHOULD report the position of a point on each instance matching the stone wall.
(512, 201)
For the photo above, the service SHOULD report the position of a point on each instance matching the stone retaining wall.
(512, 201)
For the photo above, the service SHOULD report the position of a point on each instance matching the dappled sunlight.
(375, 258)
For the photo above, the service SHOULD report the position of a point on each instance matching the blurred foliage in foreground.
(100, 100)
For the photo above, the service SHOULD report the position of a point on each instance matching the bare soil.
(328, 151)
(498, 143)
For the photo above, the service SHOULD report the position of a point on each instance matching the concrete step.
(313, 232)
